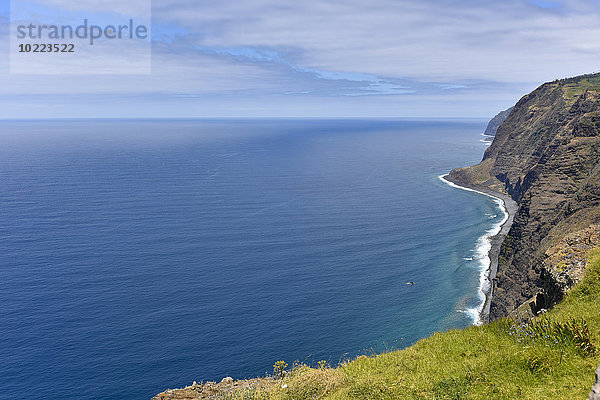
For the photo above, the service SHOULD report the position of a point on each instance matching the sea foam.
(482, 254)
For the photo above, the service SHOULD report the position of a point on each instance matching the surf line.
(484, 247)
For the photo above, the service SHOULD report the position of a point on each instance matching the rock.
(595, 393)
(227, 380)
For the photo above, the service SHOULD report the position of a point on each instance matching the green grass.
(572, 90)
(553, 357)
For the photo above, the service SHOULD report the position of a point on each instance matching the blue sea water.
(141, 255)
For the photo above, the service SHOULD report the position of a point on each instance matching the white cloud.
(436, 40)
(295, 58)
(129, 8)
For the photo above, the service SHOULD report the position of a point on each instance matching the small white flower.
(284, 386)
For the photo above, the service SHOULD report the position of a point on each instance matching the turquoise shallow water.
(141, 255)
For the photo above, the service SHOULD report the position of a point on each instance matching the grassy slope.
(574, 87)
(486, 362)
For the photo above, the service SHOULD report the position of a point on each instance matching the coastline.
(495, 238)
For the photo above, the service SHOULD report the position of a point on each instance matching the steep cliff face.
(546, 156)
(495, 122)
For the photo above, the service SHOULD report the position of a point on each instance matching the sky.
(310, 58)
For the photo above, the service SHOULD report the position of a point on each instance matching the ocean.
(141, 255)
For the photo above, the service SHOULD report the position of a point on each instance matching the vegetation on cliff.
(552, 357)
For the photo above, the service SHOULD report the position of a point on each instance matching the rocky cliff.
(495, 122)
(546, 156)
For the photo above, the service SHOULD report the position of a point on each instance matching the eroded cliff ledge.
(546, 156)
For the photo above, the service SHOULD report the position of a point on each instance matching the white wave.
(473, 313)
(468, 258)
(482, 254)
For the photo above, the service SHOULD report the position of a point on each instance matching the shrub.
(279, 369)
(573, 334)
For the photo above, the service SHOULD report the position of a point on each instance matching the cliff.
(546, 156)
(495, 122)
